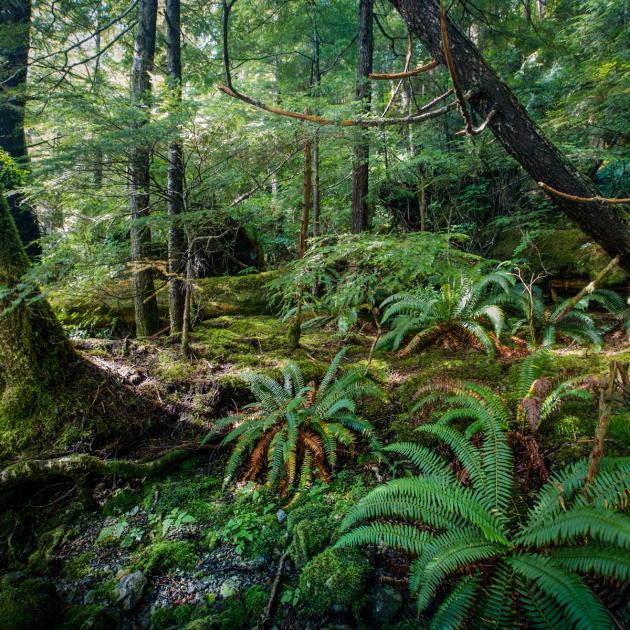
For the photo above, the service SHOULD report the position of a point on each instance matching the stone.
(229, 587)
(386, 601)
(129, 589)
(281, 515)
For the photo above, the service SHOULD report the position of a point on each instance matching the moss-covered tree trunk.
(34, 352)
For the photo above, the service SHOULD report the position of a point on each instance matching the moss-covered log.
(34, 352)
(82, 464)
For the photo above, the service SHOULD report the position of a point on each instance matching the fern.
(464, 307)
(294, 430)
(456, 530)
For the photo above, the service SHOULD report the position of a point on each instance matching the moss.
(88, 617)
(177, 617)
(27, 605)
(78, 567)
(243, 612)
(311, 527)
(333, 580)
(172, 369)
(194, 495)
(121, 501)
(163, 556)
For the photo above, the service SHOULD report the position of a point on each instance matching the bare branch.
(477, 130)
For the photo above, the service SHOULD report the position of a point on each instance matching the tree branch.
(596, 199)
(459, 95)
(376, 76)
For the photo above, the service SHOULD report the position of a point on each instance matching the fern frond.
(454, 610)
(604, 561)
(579, 603)
(601, 525)
(397, 536)
(445, 555)
(423, 458)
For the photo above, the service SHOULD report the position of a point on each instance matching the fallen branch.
(596, 199)
(79, 465)
(274, 591)
(345, 122)
(383, 76)
(588, 289)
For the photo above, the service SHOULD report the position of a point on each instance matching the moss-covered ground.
(208, 554)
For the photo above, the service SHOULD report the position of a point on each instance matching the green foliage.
(243, 613)
(462, 306)
(164, 618)
(471, 531)
(296, 428)
(335, 578)
(341, 279)
(11, 176)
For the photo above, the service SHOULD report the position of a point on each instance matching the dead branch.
(274, 592)
(450, 64)
(393, 76)
(477, 130)
(596, 199)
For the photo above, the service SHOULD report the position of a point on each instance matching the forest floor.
(178, 551)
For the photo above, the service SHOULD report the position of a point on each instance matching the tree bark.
(175, 175)
(316, 81)
(360, 173)
(15, 25)
(517, 132)
(34, 352)
(144, 300)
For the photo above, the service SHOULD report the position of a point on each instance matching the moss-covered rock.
(564, 253)
(166, 555)
(334, 581)
(240, 613)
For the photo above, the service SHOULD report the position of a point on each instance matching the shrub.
(468, 536)
(295, 428)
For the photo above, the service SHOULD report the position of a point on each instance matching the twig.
(482, 127)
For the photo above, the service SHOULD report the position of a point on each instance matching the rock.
(134, 510)
(129, 589)
(122, 572)
(386, 601)
(229, 587)
(281, 515)
(258, 562)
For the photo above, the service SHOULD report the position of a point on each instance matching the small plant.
(463, 531)
(294, 429)
(461, 306)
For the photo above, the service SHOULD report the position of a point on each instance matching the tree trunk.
(15, 25)
(306, 205)
(517, 132)
(144, 300)
(34, 352)
(360, 173)
(317, 77)
(175, 175)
